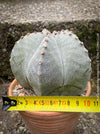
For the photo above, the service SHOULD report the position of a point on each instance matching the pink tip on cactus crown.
(47, 33)
(15, 42)
(39, 75)
(44, 29)
(45, 46)
(70, 34)
(81, 43)
(64, 33)
(55, 33)
(62, 30)
(28, 33)
(42, 53)
(48, 36)
(35, 32)
(86, 51)
(21, 37)
(46, 39)
(41, 32)
(76, 38)
(58, 32)
(40, 62)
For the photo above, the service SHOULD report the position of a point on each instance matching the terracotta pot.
(49, 122)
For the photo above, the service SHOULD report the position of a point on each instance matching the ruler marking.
(56, 103)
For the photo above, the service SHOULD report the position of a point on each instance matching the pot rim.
(42, 113)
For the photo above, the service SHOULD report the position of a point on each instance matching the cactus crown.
(51, 63)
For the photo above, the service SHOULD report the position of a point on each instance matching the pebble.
(0, 122)
(12, 115)
(22, 94)
(0, 100)
(1, 132)
(21, 128)
(85, 132)
(93, 121)
(91, 115)
(94, 132)
(4, 50)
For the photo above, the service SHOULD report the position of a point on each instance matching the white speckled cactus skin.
(51, 64)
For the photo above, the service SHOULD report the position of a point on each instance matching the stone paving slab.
(28, 11)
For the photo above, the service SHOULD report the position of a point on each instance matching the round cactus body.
(51, 63)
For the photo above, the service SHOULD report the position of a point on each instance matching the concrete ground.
(28, 11)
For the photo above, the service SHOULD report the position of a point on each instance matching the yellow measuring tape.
(52, 103)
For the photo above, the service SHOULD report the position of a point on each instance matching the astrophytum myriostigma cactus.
(51, 63)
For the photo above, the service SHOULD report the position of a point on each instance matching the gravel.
(27, 11)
